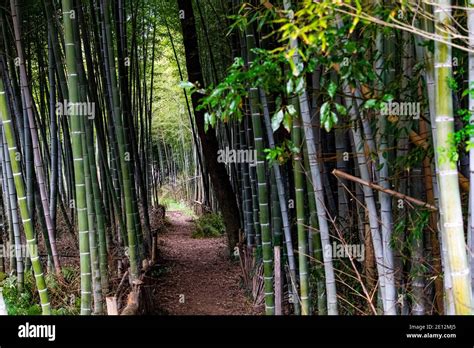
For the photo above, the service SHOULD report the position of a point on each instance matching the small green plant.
(21, 302)
(64, 294)
(159, 271)
(69, 274)
(209, 226)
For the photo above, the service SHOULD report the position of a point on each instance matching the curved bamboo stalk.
(38, 162)
(24, 212)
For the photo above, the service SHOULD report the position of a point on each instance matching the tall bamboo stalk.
(21, 194)
(124, 155)
(298, 169)
(450, 198)
(69, 18)
(283, 201)
(38, 162)
(470, 23)
(317, 185)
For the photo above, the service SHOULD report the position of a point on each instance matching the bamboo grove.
(338, 132)
(358, 114)
(78, 158)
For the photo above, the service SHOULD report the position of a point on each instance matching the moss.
(209, 226)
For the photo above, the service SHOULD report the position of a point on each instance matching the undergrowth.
(209, 225)
(64, 294)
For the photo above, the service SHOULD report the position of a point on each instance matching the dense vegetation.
(338, 132)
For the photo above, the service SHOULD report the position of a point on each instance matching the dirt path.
(196, 278)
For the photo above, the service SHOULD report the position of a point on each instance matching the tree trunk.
(210, 147)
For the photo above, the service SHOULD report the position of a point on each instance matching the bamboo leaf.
(277, 120)
(332, 89)
(341, 110)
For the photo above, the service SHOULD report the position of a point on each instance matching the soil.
(196, 277)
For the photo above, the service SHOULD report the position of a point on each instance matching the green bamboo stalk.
(450, 198)
(267, 250)
(24, 212)
(298, 170)
(13, 210)
(99, 213)
(317, 181)
(317, 250)
(266, 236)
(283, 203)
(470, 23)
(448, 302)
(37, 157)
(91, 214)
(124, 156)
(69, 17)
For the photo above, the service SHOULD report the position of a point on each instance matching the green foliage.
(329, 117)
(452, 84)
(249, 14)
(415, 223)
(209, 226)
(284, 116)
(170, 121)
(159, 271)
(69, 274)
(21, 303)
(419, 222)
(63, 293)
(413, 158)
(224, 102)
(283, 153)
(172, 204)
(461, 139)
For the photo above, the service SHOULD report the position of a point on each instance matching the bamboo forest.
(231, 157)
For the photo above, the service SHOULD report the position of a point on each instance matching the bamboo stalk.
(78, 156)
(470, 23)
(317, 184)
(24, 212)
(418, 140)
(298, 170)
(450, 197)
(415, 201)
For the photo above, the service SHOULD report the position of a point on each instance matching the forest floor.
(196, 276)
